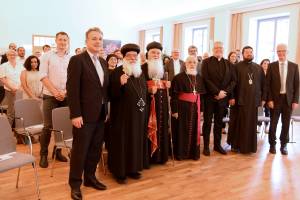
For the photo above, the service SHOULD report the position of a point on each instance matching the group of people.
(146, 112)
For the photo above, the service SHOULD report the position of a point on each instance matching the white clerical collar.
(219, 59)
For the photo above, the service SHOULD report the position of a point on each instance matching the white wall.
(223, 21)
(21, 19)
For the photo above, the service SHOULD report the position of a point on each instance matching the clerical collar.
(219, 59)
(247, 61)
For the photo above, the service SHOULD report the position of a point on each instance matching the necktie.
(282, 77)
(98, 69)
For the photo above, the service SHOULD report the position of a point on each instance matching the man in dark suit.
(87, 97)
(219, 82)
(283, 96)
(175, 66)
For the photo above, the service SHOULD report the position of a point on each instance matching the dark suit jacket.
(170, 69)
(214, 82)
(292, 83)
(84, 90)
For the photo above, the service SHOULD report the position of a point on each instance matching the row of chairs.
(261, 118)
(29, 123)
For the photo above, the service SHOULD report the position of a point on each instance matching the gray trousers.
(9, 100)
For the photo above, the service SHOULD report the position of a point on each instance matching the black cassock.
(162, 115)
(127, 124)
(248, 96)
(184, 128)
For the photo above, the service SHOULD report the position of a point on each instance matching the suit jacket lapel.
(105, 72)
(288, 75)
(172, 70)
(92, 69)
(277, 73)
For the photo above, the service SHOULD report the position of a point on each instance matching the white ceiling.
(142, 11)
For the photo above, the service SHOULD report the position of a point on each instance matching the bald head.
(282, 52)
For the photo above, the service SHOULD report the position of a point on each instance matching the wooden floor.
(259, 176)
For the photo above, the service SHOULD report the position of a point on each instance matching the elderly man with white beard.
(127, 141)
(158, 108)
(185, 103)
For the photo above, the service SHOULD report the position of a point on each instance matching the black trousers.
(213, 110)
(86, 150)
(280, 108)
(49, 103)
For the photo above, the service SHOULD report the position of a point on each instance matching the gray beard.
(191, 72)
(155, 69)
(132, 69)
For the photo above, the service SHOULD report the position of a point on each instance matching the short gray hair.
(91, 30)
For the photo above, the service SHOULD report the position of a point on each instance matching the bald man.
(175, 66)
(283, 96)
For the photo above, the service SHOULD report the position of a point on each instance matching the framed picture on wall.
(111, 45)
(38, 41)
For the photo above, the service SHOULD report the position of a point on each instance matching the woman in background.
(30, 80)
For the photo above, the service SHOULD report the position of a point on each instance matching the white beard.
(155, 69)
(191, 72)
(132, 69)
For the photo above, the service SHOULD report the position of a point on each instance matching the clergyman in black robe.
(185, 103)
(249, 93)
(128, 92)
(158, 105)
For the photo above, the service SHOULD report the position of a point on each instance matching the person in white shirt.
(175, 66)
(10, 77)
(282, 96)
(53, 74)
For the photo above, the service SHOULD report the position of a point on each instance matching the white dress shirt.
(98, 66)
(12, 74)
(283, 68)
(176, 67)
(54, 67)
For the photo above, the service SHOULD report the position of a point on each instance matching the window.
(269, 32)
(156, 37)
(152, 35)
(198, 36)
(38, 41)
(199, 39)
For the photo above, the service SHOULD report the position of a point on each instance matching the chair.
(62, 129)
(63, 137)
(294, 118)
(263, 119)
(226, 119)
(29, 118)
(9, 158)
(3, 105)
